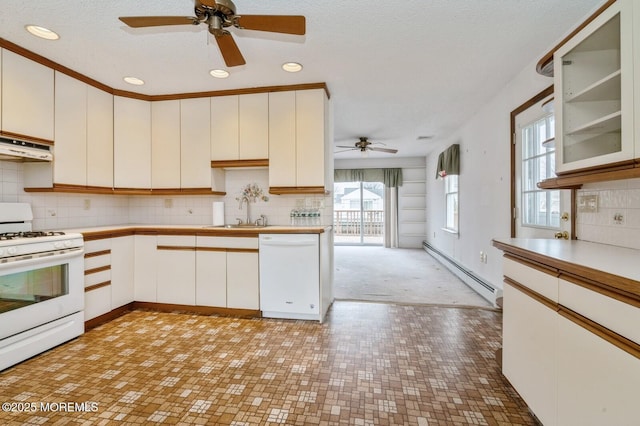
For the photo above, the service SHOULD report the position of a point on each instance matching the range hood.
(17, 150)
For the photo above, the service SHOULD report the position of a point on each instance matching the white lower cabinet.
(176, 266)
(227, 273)
(243, 280)
(597, 382)
(145, 268)
(122, 271)
(529, 346)
(97, 302)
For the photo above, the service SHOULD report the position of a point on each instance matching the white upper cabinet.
(1, 54)
(195, 145)
(99, 138)
(165, 148)
(594, 92)
(240, 127)
(224, 128)
(253, 122)
(70, 149)
(298, 133)
(282, 139)
(27, 97)
(132, 143)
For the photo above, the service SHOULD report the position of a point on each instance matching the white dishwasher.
(290, 276)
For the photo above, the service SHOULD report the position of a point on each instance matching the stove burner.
(27, 234)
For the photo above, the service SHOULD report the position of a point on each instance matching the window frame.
(451, 191)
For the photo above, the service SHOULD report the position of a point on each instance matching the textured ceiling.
(395, 70)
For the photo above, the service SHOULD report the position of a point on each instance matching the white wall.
(411, 195)
(484, 180)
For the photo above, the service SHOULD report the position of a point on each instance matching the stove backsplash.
(66, 211)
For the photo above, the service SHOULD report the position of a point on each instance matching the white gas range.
(41, 286)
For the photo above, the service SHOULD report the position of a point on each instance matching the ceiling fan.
(364, 145)
(220, 14)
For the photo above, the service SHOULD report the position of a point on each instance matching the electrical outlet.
(587, 204)
(87, 204)
(481, 257)
(618, 219)
(168, 203)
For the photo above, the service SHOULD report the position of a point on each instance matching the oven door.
(40, 288)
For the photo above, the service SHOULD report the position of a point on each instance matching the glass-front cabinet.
(594, 93)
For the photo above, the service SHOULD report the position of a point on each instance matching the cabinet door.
(97, 302)
(593, 78)
(242, 280)
(165, 144)
(27, 97)
(195, 143)
(211, 277)
(310, 137)
(282, 139)
(529, 352)
(122, 271)
(99, 138)
(132, 143)
(144, 273)
(224, 128)
(176, 279)
(70, 149)
(254, 126)
(597, 382)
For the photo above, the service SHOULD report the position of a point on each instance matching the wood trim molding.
(96, 270)
(548, 57)
(203, 310)
(97, 253)
(512, 142)
(101, 235)
(176, 248)
(629, 346)
(97, 286)
(80, 189)
(611, 292)
(280, 190)
(109, 316)
(259, 162)
(532, 294)
(574, 180)
(228, 249)
(26, 138)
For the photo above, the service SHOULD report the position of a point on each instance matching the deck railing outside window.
(348, 222)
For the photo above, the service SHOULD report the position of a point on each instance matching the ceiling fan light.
(134, 80)
(42, 32)
(292, 67)
(218, 73)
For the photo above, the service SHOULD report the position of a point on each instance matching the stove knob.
(12, 250)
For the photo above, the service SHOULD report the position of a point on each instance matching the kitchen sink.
(236, 226)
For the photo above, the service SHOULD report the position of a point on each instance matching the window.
(451, 202)
(540, 208)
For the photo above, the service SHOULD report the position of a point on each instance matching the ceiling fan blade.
(229, 49)
(287, 24)
(157, 21)
(389, 150)
(346, 146)
(344, 150)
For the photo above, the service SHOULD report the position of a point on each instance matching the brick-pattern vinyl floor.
(368, 364)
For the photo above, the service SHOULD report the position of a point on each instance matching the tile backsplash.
(617, 219)
(63, 211)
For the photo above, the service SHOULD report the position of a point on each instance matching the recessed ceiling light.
(42, 32)
(291, 67)
(219, 73)
(134, 80)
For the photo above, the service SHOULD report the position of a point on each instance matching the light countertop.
(199, 229)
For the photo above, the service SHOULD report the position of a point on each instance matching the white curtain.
(391, 217)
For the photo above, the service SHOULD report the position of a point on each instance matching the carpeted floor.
(373, 273)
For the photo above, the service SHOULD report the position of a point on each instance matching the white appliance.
(41, 286)
(12, 149)
(290, 276)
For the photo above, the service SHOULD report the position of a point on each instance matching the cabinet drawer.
(176, 240)
(97, 261)
(545, 283)
(97, 302)
(227, 242)
(618, 316)
(97, 278)
(97, 245)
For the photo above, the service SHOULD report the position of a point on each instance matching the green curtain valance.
(392, 178)
(449, 162)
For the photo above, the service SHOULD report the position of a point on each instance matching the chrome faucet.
(261, 221)
(239, 221)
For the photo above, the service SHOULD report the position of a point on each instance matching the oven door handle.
(37, 258)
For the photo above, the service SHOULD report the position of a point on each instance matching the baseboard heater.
(476, 283)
